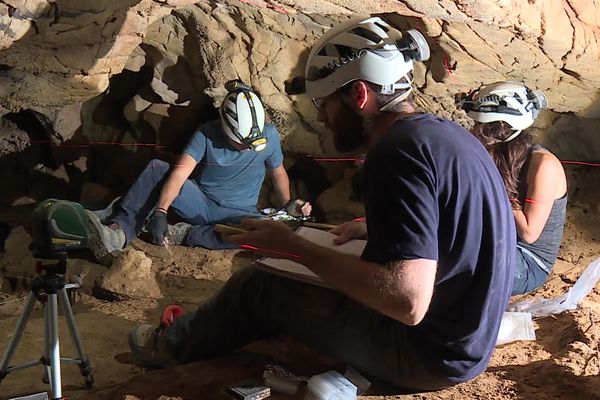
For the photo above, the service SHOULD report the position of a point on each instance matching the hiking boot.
(147, 343)
(108, 211)
(105, 242)
(178, 232)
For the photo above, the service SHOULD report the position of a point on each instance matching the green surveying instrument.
(58, 226)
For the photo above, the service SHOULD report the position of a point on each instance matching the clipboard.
(294, 270)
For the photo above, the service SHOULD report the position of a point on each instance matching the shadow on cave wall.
(22, 176)
(52, 13)
(42, 170)
(103, 123)
(117, 166)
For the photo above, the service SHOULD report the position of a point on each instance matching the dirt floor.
(563, 363)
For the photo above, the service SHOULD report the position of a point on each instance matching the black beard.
(348, 129)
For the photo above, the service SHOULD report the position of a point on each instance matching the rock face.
(12, 139)
(142, 71)
(57, 53)
(60, 52)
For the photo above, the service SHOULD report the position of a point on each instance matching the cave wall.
(144, 71)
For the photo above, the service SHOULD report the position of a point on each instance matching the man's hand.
(298, 207)
(157, 227)
(271, 237)
(348, 231)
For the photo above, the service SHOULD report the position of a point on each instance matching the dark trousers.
(191, 204)
(255, 304)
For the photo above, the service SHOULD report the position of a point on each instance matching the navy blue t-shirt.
(432, 191)
(230, 177)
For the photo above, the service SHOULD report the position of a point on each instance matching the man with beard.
(422, 306)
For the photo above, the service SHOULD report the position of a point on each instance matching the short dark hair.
(383, 99)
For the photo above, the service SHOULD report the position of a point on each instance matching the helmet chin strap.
(392, 103)
(391, 89)
(512, 136)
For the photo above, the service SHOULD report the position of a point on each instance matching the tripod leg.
(84, 367)
(14, 341)
(55, 383)
(46, 357)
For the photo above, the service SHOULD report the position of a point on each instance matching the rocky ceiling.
(80, 71)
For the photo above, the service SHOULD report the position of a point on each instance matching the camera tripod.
(49, 288)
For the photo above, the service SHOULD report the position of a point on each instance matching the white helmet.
(243, 116)
(366, 49)
(508, 101)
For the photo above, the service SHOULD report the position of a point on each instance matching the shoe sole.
(96, 242)
(139, 355)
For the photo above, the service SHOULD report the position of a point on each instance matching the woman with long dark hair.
(534, 178)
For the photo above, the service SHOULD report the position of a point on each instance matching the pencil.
(317, 225)
(228, 229)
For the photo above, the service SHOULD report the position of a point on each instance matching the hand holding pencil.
(264, 236)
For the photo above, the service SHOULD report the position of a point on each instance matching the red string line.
(318, 159)
(589, 164)
(447, 66)
(274, 252)
(332, 159)
(96, 143)
(216, 164)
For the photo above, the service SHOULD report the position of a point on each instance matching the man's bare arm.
(281, 184)
(401, 290)
(182, 170)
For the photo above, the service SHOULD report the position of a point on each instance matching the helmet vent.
(343, 51)
(367, 34)
(382, 27)
(231, 113)
(518, 98)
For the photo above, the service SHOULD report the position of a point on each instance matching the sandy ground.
(563, 363)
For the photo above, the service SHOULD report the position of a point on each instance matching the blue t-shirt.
(432, 191)
(230, 177)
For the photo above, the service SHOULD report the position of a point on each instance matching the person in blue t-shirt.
(234, 153)
(421, 308)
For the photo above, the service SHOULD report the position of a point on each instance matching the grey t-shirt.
(546, 247)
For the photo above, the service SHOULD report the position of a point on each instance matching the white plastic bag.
(544, 307)
(37, 396)
(515, 326)
(331, 385)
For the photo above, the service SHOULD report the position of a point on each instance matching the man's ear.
(360, 94)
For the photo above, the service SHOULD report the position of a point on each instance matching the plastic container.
(331, 385)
